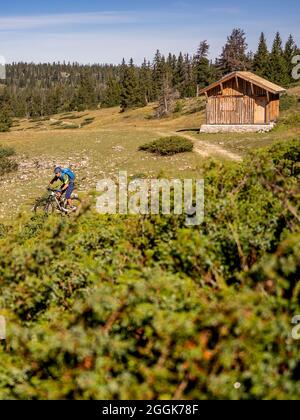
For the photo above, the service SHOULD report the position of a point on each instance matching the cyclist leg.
(69, 193)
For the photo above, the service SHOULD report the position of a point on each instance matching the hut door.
(260, 110)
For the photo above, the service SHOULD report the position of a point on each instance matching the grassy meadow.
(97, 144)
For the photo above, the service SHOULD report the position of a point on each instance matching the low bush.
(5, 120)
(287, 102)
(87, 121)
(6, 152)
(168, 146)
(198, 106)
(179, 107)
(6, 163)
(290, 121)
(4, 127)
(69, 126)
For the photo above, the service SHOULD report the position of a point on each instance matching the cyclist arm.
(65, 184)
(55, 179)
(64, 187)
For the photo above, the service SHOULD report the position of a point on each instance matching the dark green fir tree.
(290, 51)
(261, 62)
(279, 72)
(132, 95)
(202, 68)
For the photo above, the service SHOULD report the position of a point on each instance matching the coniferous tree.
(189, 86)
(261, 62)
(146, 82)
(174, 61)
(234, 54)
(171, 67)
(54, 102)
(290, 51)
(128, 87)
(278, 65)
(250, 60)
(139, 97)
(131, 92)
(5, 111)
(86, 98)
(180, 75)
(159, 72)
(112, 95)
(5, 120)
(202, 67)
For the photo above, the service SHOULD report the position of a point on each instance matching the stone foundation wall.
(236, 128)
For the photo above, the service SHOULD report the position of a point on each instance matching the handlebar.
(53, 191)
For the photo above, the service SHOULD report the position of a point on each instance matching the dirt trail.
(206, 149)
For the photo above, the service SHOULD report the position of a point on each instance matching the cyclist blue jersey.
(67, 177)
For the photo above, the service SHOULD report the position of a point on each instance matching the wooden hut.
(241, 101)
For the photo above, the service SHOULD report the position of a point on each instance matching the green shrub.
(199, 106)
(290, 121)
(3, 230)
(178, 107)
(4, 127)
(6, 152)
(5, 121)
(6, 163)
(287, 102)
(87, 121)
(168, 146)
(69, 126)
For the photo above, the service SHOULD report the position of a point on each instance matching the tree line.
(37, 90)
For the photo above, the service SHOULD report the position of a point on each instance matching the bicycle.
(51, 203)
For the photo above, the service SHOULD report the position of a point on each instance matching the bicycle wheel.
(75, 200)
(42, 207)
(49, 208)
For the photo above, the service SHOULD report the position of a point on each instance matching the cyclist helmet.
(57, 170)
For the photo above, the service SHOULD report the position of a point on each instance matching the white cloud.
(107, 37)
(101, 47)
(44, 21)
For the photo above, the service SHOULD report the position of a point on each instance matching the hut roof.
(249, 77)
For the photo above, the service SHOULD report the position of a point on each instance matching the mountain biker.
(67, 177)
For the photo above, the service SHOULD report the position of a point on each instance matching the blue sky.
(91, 31)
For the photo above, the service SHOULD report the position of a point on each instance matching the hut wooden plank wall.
(242, 98)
